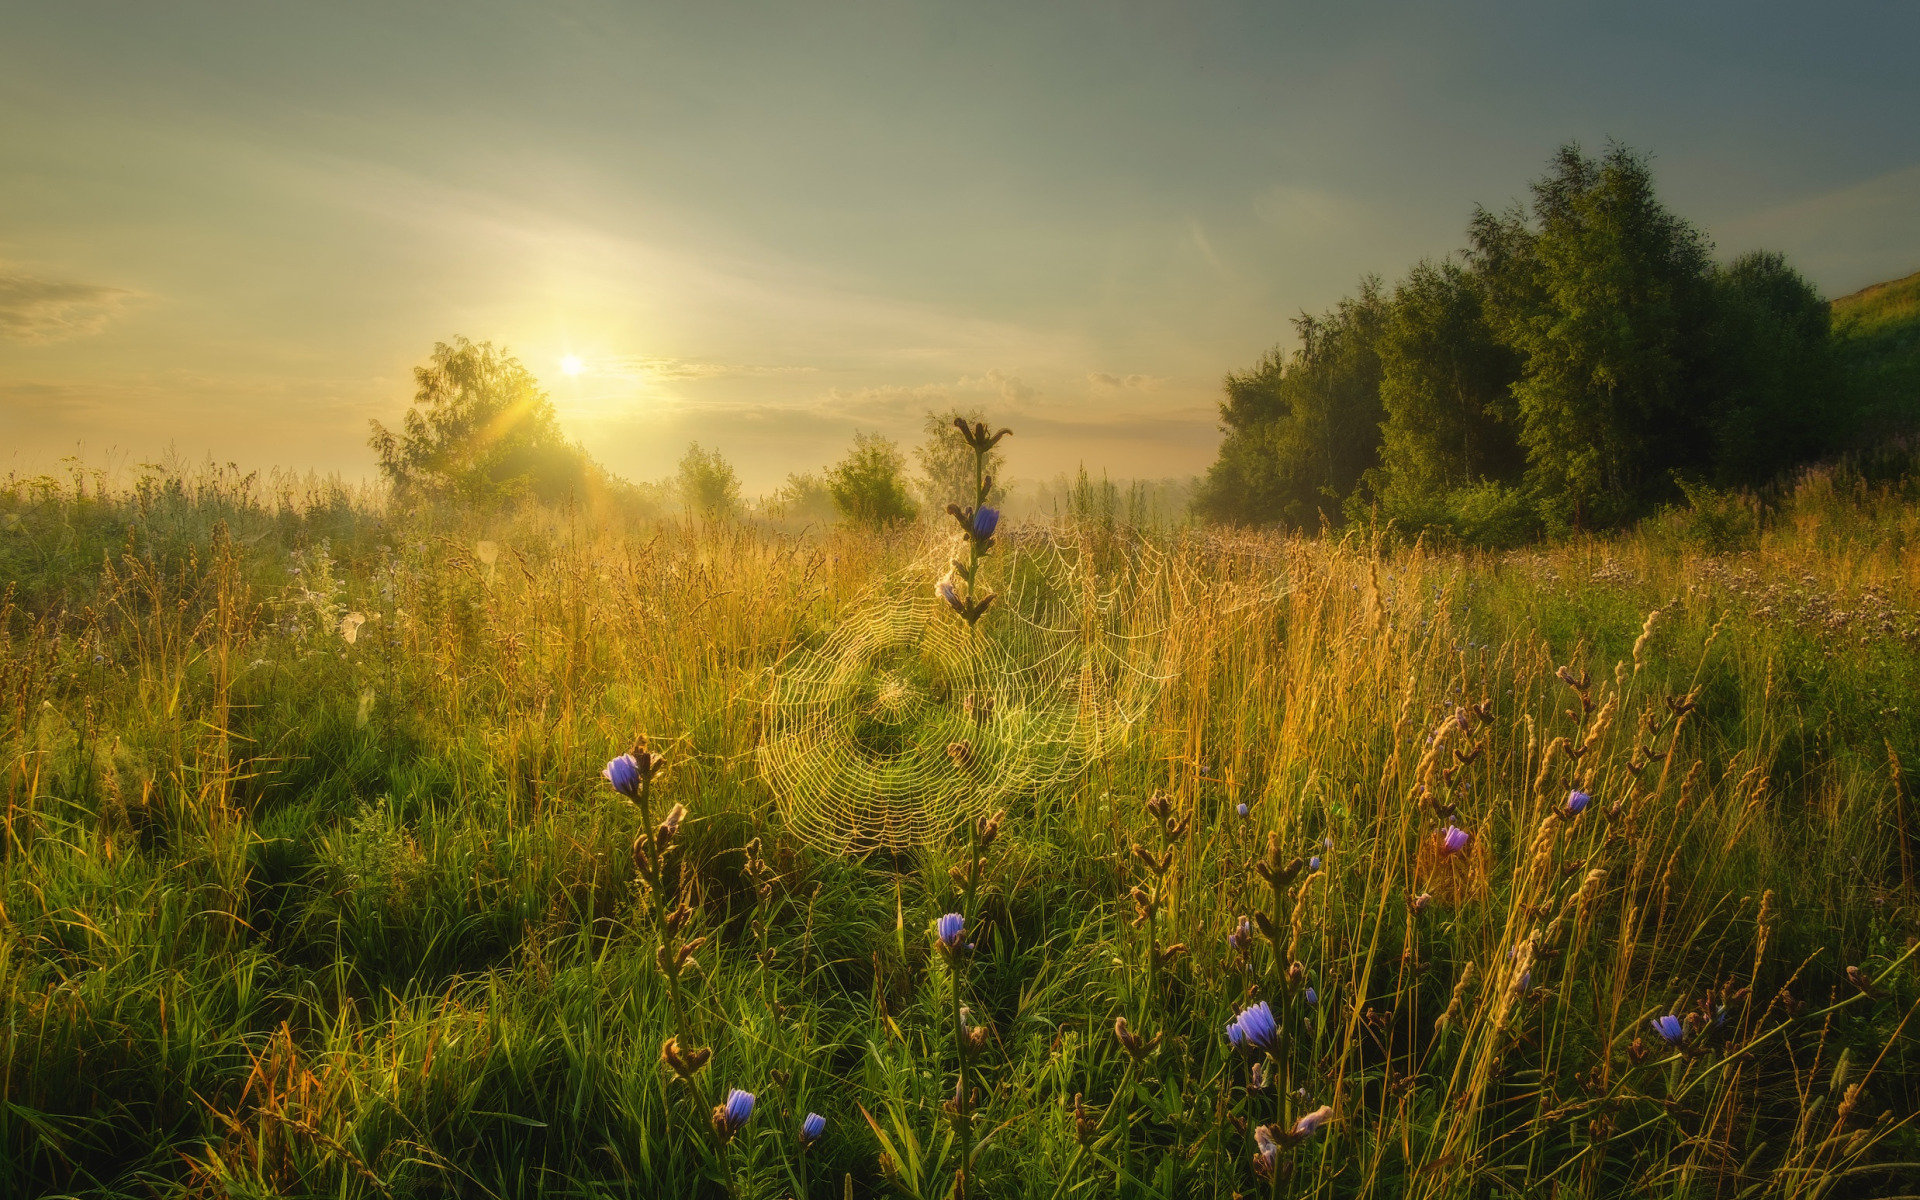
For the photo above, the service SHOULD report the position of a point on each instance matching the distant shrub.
(707, 483)
(868, 486)
(1493, 515)
(1715, 520)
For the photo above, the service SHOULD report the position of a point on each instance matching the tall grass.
(288, 912)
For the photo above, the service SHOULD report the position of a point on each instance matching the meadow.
(1579, 870)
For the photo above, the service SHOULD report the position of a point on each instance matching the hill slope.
(1877, 330)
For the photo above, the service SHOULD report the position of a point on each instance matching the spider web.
(903, 722)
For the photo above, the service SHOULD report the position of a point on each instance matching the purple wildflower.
(949, 930)
(1670, 1028)
(1241, 808)
(985, 522)
(1241, 937)
(1313, 997)
(1455, 840)
(1577, 800)
(1268, 1153)
(1254, 1029)
(624, 774)
(812, 1128)
(1310, 1124)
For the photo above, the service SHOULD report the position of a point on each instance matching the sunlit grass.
(286, 913)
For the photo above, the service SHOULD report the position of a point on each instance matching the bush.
(868, 485)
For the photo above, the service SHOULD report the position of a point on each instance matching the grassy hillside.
(1878, 331)
(310, 885)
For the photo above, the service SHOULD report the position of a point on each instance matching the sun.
(571, 364)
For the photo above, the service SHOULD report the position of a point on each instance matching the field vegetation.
(1581, 869)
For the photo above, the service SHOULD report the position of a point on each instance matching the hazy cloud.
(48, 310)
(1102, 379)
(680, 368)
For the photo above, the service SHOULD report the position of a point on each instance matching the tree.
(804, 497)
(946, 463)
(1604, 296)
(1445, 385)
(1302, 429)
(1776, 396)
(868, 485)
(707, 483)
(479, 430)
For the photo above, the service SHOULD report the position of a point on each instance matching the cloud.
(47, 310)
(680, 368)
(894, 397)
(1102, 379)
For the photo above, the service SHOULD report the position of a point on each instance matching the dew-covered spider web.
(902, 722)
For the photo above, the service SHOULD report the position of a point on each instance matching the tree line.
(1582, 359)
(481, 432)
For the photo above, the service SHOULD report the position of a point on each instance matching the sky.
(233, 229)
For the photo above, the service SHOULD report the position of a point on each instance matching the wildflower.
(1313, 997)
(1454, 840)
(731, 1117)
(1670, 1029)
(1326, 844)
(1419, 903)
(1313, 864)
(1254, 1029)
(984, 523)
(811, 1128)
(624, 774)
(1257, 1078)
(1576, 801)
(1268, 1153)
(1241, 808)
(1310, 1124)
(1241, 937)
(947, 591)
(949, 929)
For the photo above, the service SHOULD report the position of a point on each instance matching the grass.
(1877, 330)
(288, 913)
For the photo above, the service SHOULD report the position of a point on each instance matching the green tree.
(1302, 429)
(479, 430)
(946, 463)
(707, 484)
(1775, 395)
(1605, 296)
(869, 486)
(804, 497)
(1445, 387)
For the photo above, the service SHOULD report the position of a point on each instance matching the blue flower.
(1577, 800)
(1313, 997)
(1313, 864)
(1455, 840)
(1241, 808)
(947, 591)
(1670, 1029)
(1254, 1029)
(985, 522)
(624, 774)
(811, 1128)
(950, 929)
(731, 1117)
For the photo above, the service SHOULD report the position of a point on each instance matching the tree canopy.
(479, 430)
(1582, 358)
